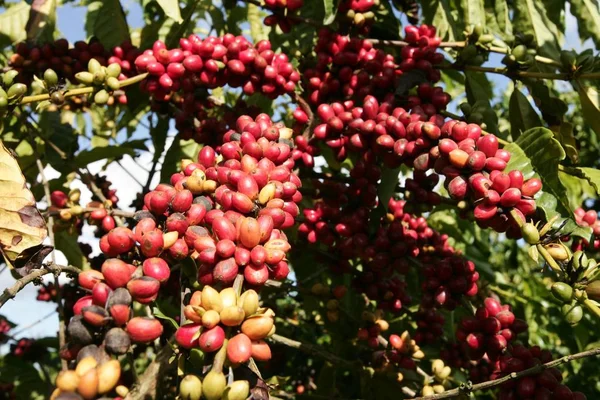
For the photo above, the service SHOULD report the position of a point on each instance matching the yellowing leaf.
(21, 224)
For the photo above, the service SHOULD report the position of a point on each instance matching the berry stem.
(515, 375)
(549, 260)
(314, 350)
(220, 358)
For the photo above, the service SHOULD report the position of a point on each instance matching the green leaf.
(60, 140)
(439, 14)
(387, 186)
(386, 24)
(42, 21)
(159, 314)
(590, 105)
(473, 12)
(479, 90)
(588, 19)
(70, 248)
(106, 21)
(592, 175)
(564, 134)
(553, 109)
(179, 149)
(331, 7)
(257, 27)
(521, 114)
(501, 15)
(171, 9)
(531, 17)
(159, 137)
(537, 150)
(12, 24)
(550, 205)
(86, 157)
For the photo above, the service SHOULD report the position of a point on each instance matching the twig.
(515, 375)
(132, 176)
(62, 339)
(89, 181)
(316, 351)
(51, 268)
(308, 111)
(146, 385)
(31, 325)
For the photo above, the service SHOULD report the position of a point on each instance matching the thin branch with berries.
(512, 376)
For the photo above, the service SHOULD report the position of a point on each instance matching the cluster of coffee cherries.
(330, 298)
(201, 119)
(358, 12)
(490, 331)
(215, 62)
(373, 326)
(33, 59)
(209, 313)
(472, 162)
(283, 13)
(246, 194)
(47, 292)
(401, 351)
(352, 68)
(23, 348)
(440, 375)
(5, 327)
(590, 219)
(93, 376)
(447, 280)
(430, 325)
(107, 313)
(545, 385)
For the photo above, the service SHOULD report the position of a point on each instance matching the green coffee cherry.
(465, 108)
(562, 291)
(50, 77)
(113, 83)
(572, 313)
(9, 77)
(468, 52)
(3, 102)
(593, 290)
(16, 90)
(101, 97)
(190, 388)
(520, 52)
(477, 31)
(57, 98)
(94, 66)
(85, 77)
(530, 233)
(238, 390)
(113, 70)
(99, 77)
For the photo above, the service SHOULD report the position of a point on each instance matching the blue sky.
(25, 310)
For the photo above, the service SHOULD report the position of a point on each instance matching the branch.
(515, 375)
(51, 268)
(89, 181)
(80, 91)
(146, 386)
(315, 351)
(463, 44)
(111, 211)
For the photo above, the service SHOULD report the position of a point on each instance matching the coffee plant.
(336, 199)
